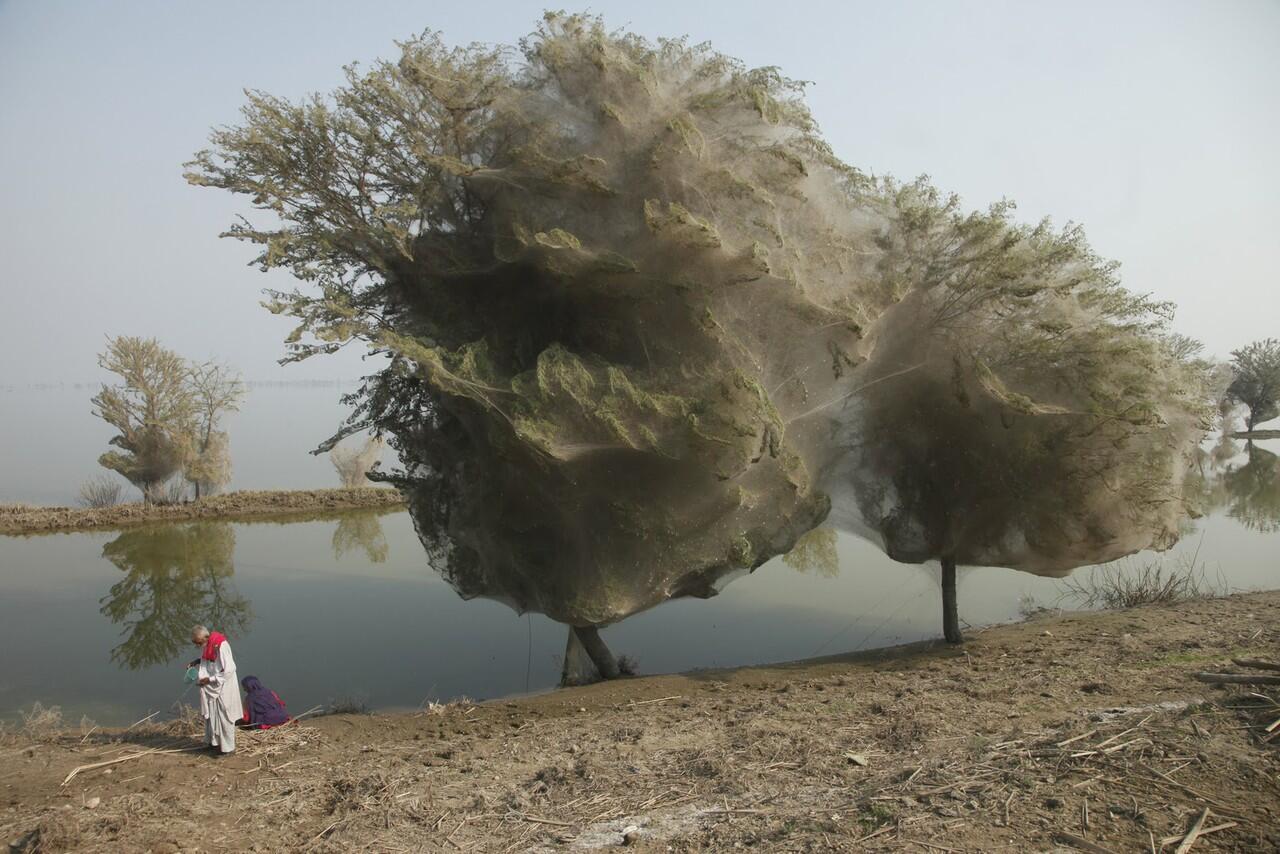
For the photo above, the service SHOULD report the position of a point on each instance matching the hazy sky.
(1156, 124)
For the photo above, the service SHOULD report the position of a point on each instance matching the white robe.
(220, 704)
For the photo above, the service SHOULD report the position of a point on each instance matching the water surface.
(347, 608)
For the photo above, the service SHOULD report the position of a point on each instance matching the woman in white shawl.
(220, 704)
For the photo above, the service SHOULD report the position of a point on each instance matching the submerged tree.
(643, 328)
(153, 410)
(1257, 380)
(216, 391)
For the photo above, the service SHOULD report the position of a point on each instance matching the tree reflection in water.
(1254, 491)
(1248, 492)
(363, 531)
(175, 576)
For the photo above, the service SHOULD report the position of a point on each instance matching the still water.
(347, 608)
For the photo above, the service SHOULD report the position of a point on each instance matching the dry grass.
(233, 506)
(1129, 584)
(1034, 737)
(100, 491)
(41, 723)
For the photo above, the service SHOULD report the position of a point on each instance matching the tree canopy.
(1257, 380)
(167, 411)
(644, 330)
(152, 408)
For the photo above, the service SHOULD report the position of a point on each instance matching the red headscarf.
(211, 646)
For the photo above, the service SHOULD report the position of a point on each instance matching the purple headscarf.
(261, 705)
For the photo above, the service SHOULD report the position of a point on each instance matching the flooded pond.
(347, 608)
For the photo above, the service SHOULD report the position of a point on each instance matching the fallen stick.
(929, 844)
(1193, 834)
(1256, 663)
(1237, 678)
(882, 831)
(1082, 844)
(1169, 840)
(152, 752)
(1077, 738)
(143, 721)
(536, 820)
(658, 700)
(1201, 795)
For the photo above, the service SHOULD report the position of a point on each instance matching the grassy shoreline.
(243, 506)
(1062, 732)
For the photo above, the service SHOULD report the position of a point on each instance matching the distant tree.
(152, 407)
(216, 390)
(1257, 381)
(353, 464)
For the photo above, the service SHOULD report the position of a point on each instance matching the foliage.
(217, 390)
(815, 552)
(644, 330)
(152, 410)
(101, 491)
(353, 464)
(1257, 380)
(167, 412)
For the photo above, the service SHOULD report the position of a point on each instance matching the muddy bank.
(232, 506)
(1064, 732)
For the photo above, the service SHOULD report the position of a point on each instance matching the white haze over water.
(1152, 124)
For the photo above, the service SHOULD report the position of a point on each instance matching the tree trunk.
(950, 606)
(598, 651)
(578, 667)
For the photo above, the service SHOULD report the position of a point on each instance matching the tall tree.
(153, 408)
(216, 391)
(642, 327)
(1257, 380)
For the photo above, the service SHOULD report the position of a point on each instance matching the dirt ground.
(231, 506)
(1074, 732)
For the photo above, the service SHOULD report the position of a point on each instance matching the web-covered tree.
(1257, 380)
(216, 391)
(567, 261)
(353, 462)
(644, 330)
(153, 410)
(1043, 421)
